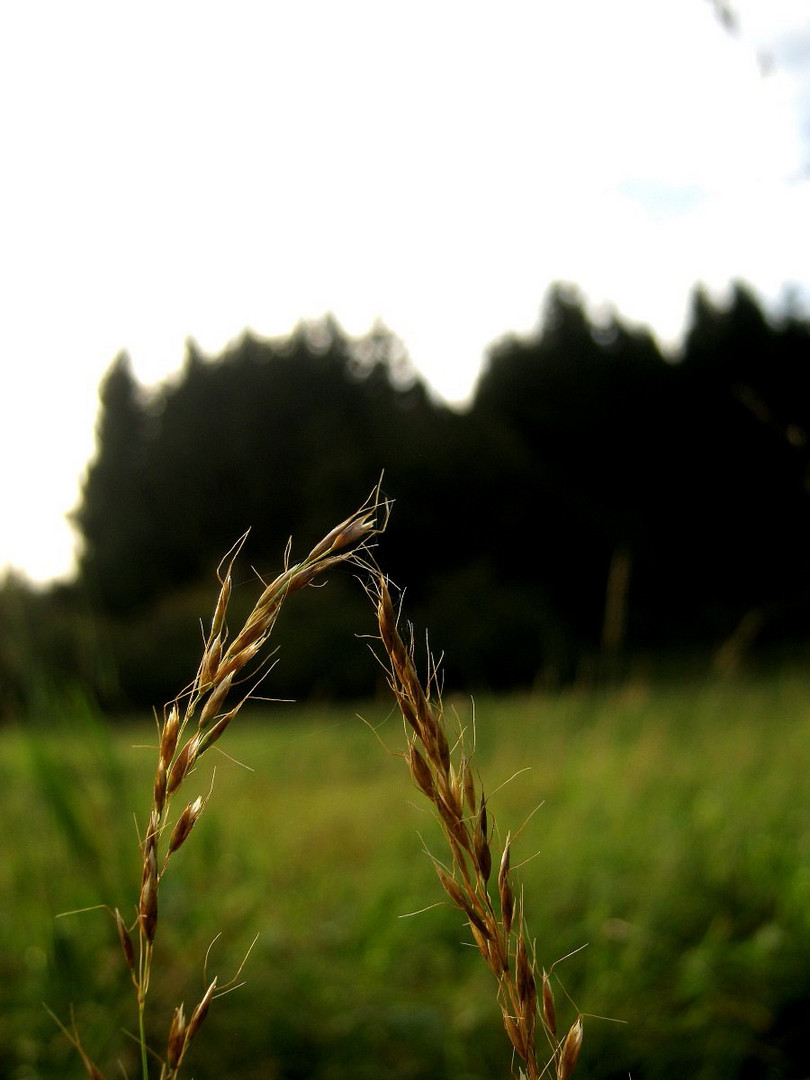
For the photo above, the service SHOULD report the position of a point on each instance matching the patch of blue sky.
(662, 201)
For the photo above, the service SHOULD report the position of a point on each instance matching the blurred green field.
(670, 846)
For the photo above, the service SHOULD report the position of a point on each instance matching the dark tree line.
(693, 473)
(596, 500)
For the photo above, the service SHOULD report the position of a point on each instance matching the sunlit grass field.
(666, 876)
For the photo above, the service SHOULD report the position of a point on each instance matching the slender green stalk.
(142, 1038)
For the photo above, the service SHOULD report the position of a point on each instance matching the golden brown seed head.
(443, 748)
(387, 621)
(148, 906)
(477, 921)
(468, 783)
(234, 663)
(168, 737)
(177, 1038)
(451, 794)
(222, 606)
(503, 871)
(515, 1033)
(549, 1012)
(455, 827)
(483, 856)
(463, 902)
(214, 701)
(505, 890)
(160, 785)
(200, 1012)
(210, 662)
(453, 889)
(185, 823)
(210, 737)
(507, 907)
(420, 771)
(347, 534)
(253, 631)
(570, 1050)
(499, 958)
(150, 845)
(526, 986)
(182, 765)
(407, 710)
(483, 943)
(127, 947)
(482, 817)
(306, 573)
(325, 546)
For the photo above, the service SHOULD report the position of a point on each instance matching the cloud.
(191, 170)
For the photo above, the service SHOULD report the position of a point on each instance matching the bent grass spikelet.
(443, 774)
(181, 744)
(449, 787)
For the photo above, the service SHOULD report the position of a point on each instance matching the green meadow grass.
(666, 842)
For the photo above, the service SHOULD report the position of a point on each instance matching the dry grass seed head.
(127, 948)
(214, 701)
(526, 986)
(209, 665)
(200, 1012)
(182, 766)
(570, 1050)
(468, 784)
(549, 1011)
(483, 855)
(207, 740)
(177, 1038)
(148, 902)
(505, 889)
(225, 581)
(420, 771)
(159, 794)
(516, 1035)
(185, 823)
(463, 902)
(169, 735)
(255, 630)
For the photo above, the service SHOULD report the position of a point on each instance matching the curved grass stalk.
(192, 723)
(444, 776)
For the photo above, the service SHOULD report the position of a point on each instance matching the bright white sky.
(190, 169)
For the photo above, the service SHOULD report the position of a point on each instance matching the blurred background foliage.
(664, 873)
(595, 503)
